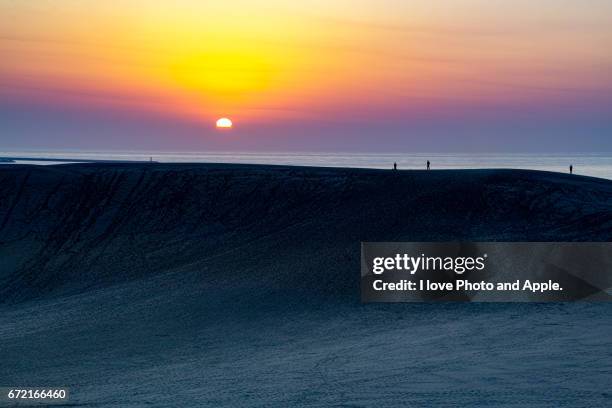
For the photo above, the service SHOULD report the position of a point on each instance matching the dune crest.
(73, 227)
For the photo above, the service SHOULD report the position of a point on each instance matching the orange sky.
(274, 62)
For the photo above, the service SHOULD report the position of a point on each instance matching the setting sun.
(224, 123)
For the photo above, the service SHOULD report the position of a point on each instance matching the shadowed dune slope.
(71, 228)
(224, 285)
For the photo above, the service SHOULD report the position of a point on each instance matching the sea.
(586, 164)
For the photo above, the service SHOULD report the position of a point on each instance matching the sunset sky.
(385, 75)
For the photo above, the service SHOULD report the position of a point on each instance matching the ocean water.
(587, 164)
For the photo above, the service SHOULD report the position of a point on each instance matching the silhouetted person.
(428, 164)
(394, 166)
(571, 169)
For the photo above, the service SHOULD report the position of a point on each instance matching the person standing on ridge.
(428, 164)
(394, 166)
(571, 169)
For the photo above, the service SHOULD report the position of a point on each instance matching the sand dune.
(191, 285)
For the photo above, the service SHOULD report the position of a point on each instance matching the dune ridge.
(71, 227)
(224, 285)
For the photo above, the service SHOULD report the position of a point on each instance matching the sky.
(341, 76)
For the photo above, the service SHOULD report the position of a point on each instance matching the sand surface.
(236, 285)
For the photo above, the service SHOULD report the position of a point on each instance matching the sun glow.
(289, 64)
(224, 123)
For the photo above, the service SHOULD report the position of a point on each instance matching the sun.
(224, 123)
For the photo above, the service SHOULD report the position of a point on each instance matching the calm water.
(596, 164)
